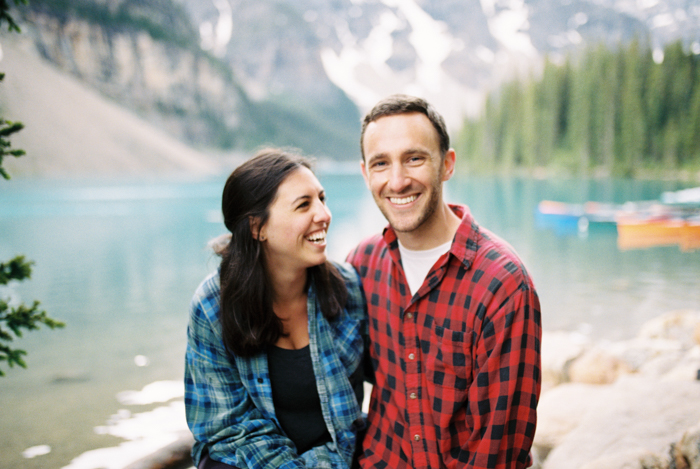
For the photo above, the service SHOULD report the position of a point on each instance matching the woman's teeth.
(317, 237)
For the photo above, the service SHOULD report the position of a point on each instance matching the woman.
(273, 373)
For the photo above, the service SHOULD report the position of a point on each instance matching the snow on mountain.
(448, 51)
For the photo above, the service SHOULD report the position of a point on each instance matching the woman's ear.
(255, 229)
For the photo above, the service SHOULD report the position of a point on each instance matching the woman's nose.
(323, 214)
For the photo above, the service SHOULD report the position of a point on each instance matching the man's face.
(404, 169)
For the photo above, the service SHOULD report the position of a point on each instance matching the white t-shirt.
(417, 264)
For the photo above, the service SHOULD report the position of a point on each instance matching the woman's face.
(295, 233)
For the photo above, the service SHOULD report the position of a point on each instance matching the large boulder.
(633, 459)
(686, 453)
(559, 350)
(597, 366)
(637, 415)
(561, 410)
(680, 325)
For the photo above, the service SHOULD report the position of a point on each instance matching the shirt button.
(413, 395)
(416, 437)
(411, 356)
(409, 315)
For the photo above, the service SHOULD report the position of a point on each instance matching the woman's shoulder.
(206, 297)
(209, 285)
(348, 272)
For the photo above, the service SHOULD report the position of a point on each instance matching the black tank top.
(295, 396)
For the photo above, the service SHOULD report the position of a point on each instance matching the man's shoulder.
(367, 248)
(497, 257)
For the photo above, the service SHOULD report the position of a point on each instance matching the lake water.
(118, 261)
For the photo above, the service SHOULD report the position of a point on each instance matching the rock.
(681, 325)
(175, 455)
(633, 459)
(559, 349)
(639, 351)
(686, 367)
(597, 366)
(687, 450)
(635, 414)
(561, 410)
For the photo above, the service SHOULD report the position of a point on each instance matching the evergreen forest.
(630, 112)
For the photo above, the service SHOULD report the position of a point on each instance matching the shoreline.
(604, 405)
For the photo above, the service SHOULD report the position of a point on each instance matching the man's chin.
(403, 225)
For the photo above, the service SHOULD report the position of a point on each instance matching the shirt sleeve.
(357, 309)
(220, 413)
(503, 398)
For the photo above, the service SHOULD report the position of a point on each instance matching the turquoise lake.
(118, 261)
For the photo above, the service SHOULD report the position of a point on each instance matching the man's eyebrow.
(373, 158)
(416, 151)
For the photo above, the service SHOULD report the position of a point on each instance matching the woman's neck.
(289, 304)
(288, 287)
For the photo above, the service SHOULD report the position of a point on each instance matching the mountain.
(73, 131)
(449, 51)
(236, 74)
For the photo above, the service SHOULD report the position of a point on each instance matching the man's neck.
(439, 229)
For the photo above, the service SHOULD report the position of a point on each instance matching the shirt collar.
(464, 244)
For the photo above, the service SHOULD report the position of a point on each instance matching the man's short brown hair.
(402, 104)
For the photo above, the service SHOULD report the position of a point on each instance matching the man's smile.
(403, 200)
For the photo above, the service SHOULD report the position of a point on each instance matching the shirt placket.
(412, 357)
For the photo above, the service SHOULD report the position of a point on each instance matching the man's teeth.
(317, 237)
(403, 200)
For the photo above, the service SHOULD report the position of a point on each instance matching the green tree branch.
(15, 319)
(5, 15)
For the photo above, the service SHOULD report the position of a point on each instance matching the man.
(454, 317)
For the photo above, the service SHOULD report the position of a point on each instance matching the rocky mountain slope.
(448, 51)
(73, 131)
(236, 74)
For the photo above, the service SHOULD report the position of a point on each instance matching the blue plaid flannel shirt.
(229, 401)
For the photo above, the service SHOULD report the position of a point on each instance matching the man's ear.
(364, 172)
(448, 164)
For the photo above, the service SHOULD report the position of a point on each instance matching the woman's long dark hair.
(248, 322)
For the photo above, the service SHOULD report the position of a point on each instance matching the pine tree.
(549, 101)
(579, 135)
(602, 125)
(632, 123)
(15, 319)
(618, 111)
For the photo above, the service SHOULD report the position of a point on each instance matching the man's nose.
(398, 179)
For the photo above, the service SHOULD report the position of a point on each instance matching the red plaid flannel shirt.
(457, 366)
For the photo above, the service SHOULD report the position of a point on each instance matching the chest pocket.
(448, 362)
